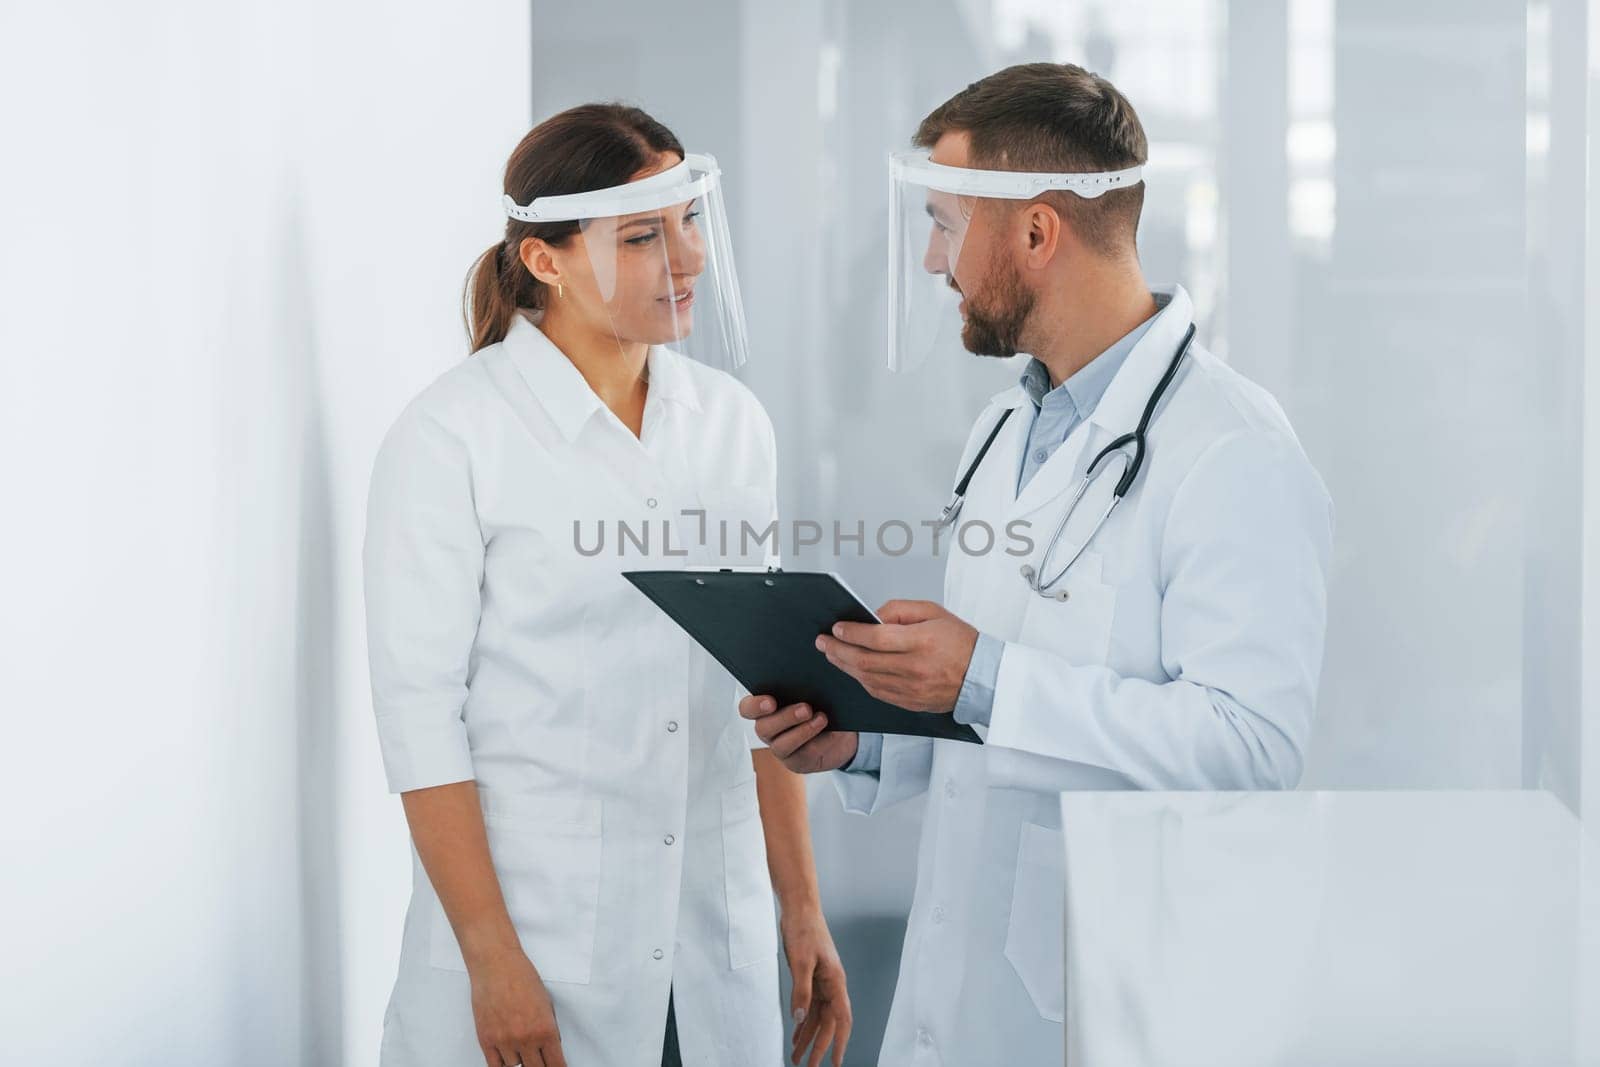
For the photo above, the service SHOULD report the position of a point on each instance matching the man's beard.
(998, 332)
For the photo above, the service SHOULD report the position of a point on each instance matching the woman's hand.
(512, 1011)
(820, 1004)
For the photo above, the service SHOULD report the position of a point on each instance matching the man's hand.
(915, 659)
(794, 734)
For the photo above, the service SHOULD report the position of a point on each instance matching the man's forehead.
(952, 148)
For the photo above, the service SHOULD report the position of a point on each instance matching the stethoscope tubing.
(1132, 466)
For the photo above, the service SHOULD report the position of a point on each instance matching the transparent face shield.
(652, 262)
(948, 293)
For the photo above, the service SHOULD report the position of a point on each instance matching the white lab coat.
(613, 769)
(1187, 657)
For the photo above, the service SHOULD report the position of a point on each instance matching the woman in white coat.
(593, 872)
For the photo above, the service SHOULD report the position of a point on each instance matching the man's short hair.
(1054, 117)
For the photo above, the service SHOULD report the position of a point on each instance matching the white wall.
(1589, 1036)
(234, 238)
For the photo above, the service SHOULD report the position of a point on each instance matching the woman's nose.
(686, 253)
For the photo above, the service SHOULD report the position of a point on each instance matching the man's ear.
(537, 256)
(1043, 234)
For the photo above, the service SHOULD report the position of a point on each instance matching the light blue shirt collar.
(1085, 388)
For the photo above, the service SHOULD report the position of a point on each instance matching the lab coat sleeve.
(1243, 569)
(869, 754)
(772, 560)
(904, 767)
(975, 699)
(423, 564)
(752, 739)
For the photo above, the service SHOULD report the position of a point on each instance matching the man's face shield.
(653, 262)
(935, 212)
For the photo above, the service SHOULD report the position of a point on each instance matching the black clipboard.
(762, 625)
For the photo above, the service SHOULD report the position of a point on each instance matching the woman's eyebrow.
(653, 220)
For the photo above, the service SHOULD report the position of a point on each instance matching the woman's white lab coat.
(613, 769)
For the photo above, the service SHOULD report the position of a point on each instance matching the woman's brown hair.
(593, 146)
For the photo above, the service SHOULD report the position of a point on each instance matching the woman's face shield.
(936, 218)
(652, 263)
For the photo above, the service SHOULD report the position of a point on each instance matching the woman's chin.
(667, 337)
(675, 328)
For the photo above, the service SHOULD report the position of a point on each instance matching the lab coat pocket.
(1034, 932)
(1077, 629)
(736, 530)
(752, 923)
(546, 854)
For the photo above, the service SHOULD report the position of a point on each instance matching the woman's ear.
(1043, 232)
(540, 261)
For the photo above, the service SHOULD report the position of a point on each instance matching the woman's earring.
(561, 291)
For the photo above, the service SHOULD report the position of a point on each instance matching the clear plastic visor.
(652, 263)
(933, 212)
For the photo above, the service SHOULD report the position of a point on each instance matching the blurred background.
(232, 243)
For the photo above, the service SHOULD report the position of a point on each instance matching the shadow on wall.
(315, 663)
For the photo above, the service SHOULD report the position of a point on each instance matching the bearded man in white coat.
(1181, 646)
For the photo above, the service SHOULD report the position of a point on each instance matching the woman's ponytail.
(491, 297)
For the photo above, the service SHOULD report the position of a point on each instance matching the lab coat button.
(650, 502)
(669, 839)
(1040, 456)
(672, 727)
(950, 790)
(938, 915)
(924, 1038)
(657, 954)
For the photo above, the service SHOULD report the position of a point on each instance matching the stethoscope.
(1131, 466)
